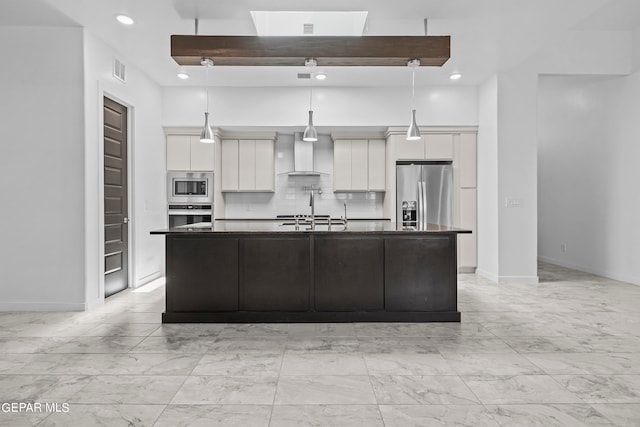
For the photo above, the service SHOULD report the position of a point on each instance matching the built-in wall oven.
(190, 197)
(189, 214)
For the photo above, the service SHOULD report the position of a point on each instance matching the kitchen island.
(263, 271)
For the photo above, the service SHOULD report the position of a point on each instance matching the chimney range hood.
(302, 157)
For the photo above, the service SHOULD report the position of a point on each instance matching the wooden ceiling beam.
(329, 51)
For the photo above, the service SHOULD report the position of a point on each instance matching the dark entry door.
(116, 219)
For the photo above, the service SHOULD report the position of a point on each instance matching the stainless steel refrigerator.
(424, 193)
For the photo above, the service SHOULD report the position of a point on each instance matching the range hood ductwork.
(302, 157)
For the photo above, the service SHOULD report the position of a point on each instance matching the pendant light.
(310, 133)
(413, 133)
(206, 135)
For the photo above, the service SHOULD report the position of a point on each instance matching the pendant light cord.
(311, 94)
(207, 80)
(413, 89)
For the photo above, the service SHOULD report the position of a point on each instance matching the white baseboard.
(586, 269)
(148, 279)
(42, 306)
(94, 304)
(466, 270)
(487, 275)
(525, 280)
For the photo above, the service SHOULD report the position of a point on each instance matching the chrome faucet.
(313, 209)
(345, 215)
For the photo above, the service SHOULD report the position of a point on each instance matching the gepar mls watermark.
(33, 407)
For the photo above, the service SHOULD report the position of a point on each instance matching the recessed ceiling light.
(183, 76)
(124, 19)
(321, 76)
(455, 76)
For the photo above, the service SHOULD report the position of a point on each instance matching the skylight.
(291, 23)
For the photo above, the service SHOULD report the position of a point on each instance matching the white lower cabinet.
(247, 165)
(467, 243)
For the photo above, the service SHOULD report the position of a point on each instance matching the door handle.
(125, 220)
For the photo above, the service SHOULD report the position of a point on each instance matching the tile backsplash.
(291, 194)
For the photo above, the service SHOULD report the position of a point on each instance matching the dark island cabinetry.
(409, 285)
(349, 273)
(275, 274)
(202, 274)
(279, 276)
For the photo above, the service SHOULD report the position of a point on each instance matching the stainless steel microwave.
(190, 187)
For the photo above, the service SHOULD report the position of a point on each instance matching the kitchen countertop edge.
(264, 228)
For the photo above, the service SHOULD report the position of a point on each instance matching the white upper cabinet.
(358, 165)
(468, 154)
(265, 165)
(377, 168)
(429, 147)
(342, 165)
(248, 165)
(438, 146)
(202, 155)
(178, 152)
(187, 153)
(229, 164)
(410, 150)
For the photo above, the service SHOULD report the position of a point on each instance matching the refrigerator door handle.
(419, 224)
(425, 217)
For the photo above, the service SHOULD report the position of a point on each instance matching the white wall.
(488, 179)
(585, 52)
(508, 127)
(446, 105)
(41, 169)
(517, 145)
(588, 174)
(635, 42)
(147, 166)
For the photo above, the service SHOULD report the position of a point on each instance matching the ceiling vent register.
(119, 70)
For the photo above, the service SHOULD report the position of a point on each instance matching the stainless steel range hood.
(302, 157)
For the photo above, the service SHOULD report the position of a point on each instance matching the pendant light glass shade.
(310, 133)
(206, 135)
(413, 132)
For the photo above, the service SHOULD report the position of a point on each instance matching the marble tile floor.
(565, 352)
